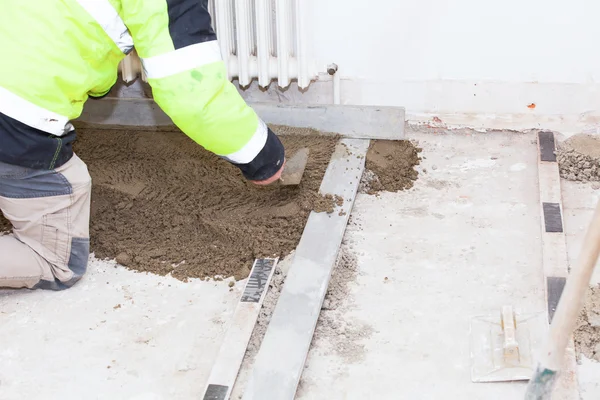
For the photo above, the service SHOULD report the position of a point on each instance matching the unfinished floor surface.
(417, 265)
(464, 241)
(117, 334)
(161, 203)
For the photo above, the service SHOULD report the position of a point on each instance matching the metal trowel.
(294, 168)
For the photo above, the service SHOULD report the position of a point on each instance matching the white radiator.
(259, 39)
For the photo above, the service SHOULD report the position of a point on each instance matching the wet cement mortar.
(390, 166)
(161, 203)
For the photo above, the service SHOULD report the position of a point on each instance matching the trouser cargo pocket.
(55, 238)
(50, 212)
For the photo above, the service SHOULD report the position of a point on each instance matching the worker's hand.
(271, 179)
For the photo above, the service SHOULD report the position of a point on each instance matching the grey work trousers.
(50, 212)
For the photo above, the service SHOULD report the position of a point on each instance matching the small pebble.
(123, 259)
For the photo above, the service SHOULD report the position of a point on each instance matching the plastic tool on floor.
(294, 168)
(502, 345)
(565, 318)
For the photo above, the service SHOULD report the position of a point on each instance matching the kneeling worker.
(56, 53)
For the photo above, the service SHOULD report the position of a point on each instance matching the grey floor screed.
(281, 358)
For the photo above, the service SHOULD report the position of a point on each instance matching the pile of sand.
(160, 203)
(390, 166)
(579, 158)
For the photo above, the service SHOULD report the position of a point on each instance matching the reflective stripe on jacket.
(56, 53)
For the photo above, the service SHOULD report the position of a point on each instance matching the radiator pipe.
(332, 69)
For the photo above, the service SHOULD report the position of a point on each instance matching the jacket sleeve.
(181, 58)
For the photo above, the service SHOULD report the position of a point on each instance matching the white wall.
(508, 40)
(468, 62)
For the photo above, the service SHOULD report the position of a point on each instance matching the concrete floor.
(116, 335)
(464, 241)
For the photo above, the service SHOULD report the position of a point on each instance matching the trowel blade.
(294, 168)
(487, 361)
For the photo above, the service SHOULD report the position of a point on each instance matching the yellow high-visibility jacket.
(56, 53)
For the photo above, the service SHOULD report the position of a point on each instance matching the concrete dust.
(162, 204)
(587, 334)
(390, 166)
(579, 158)
(339, 335)
(368, 178)
(344, 273)
(335, 332)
